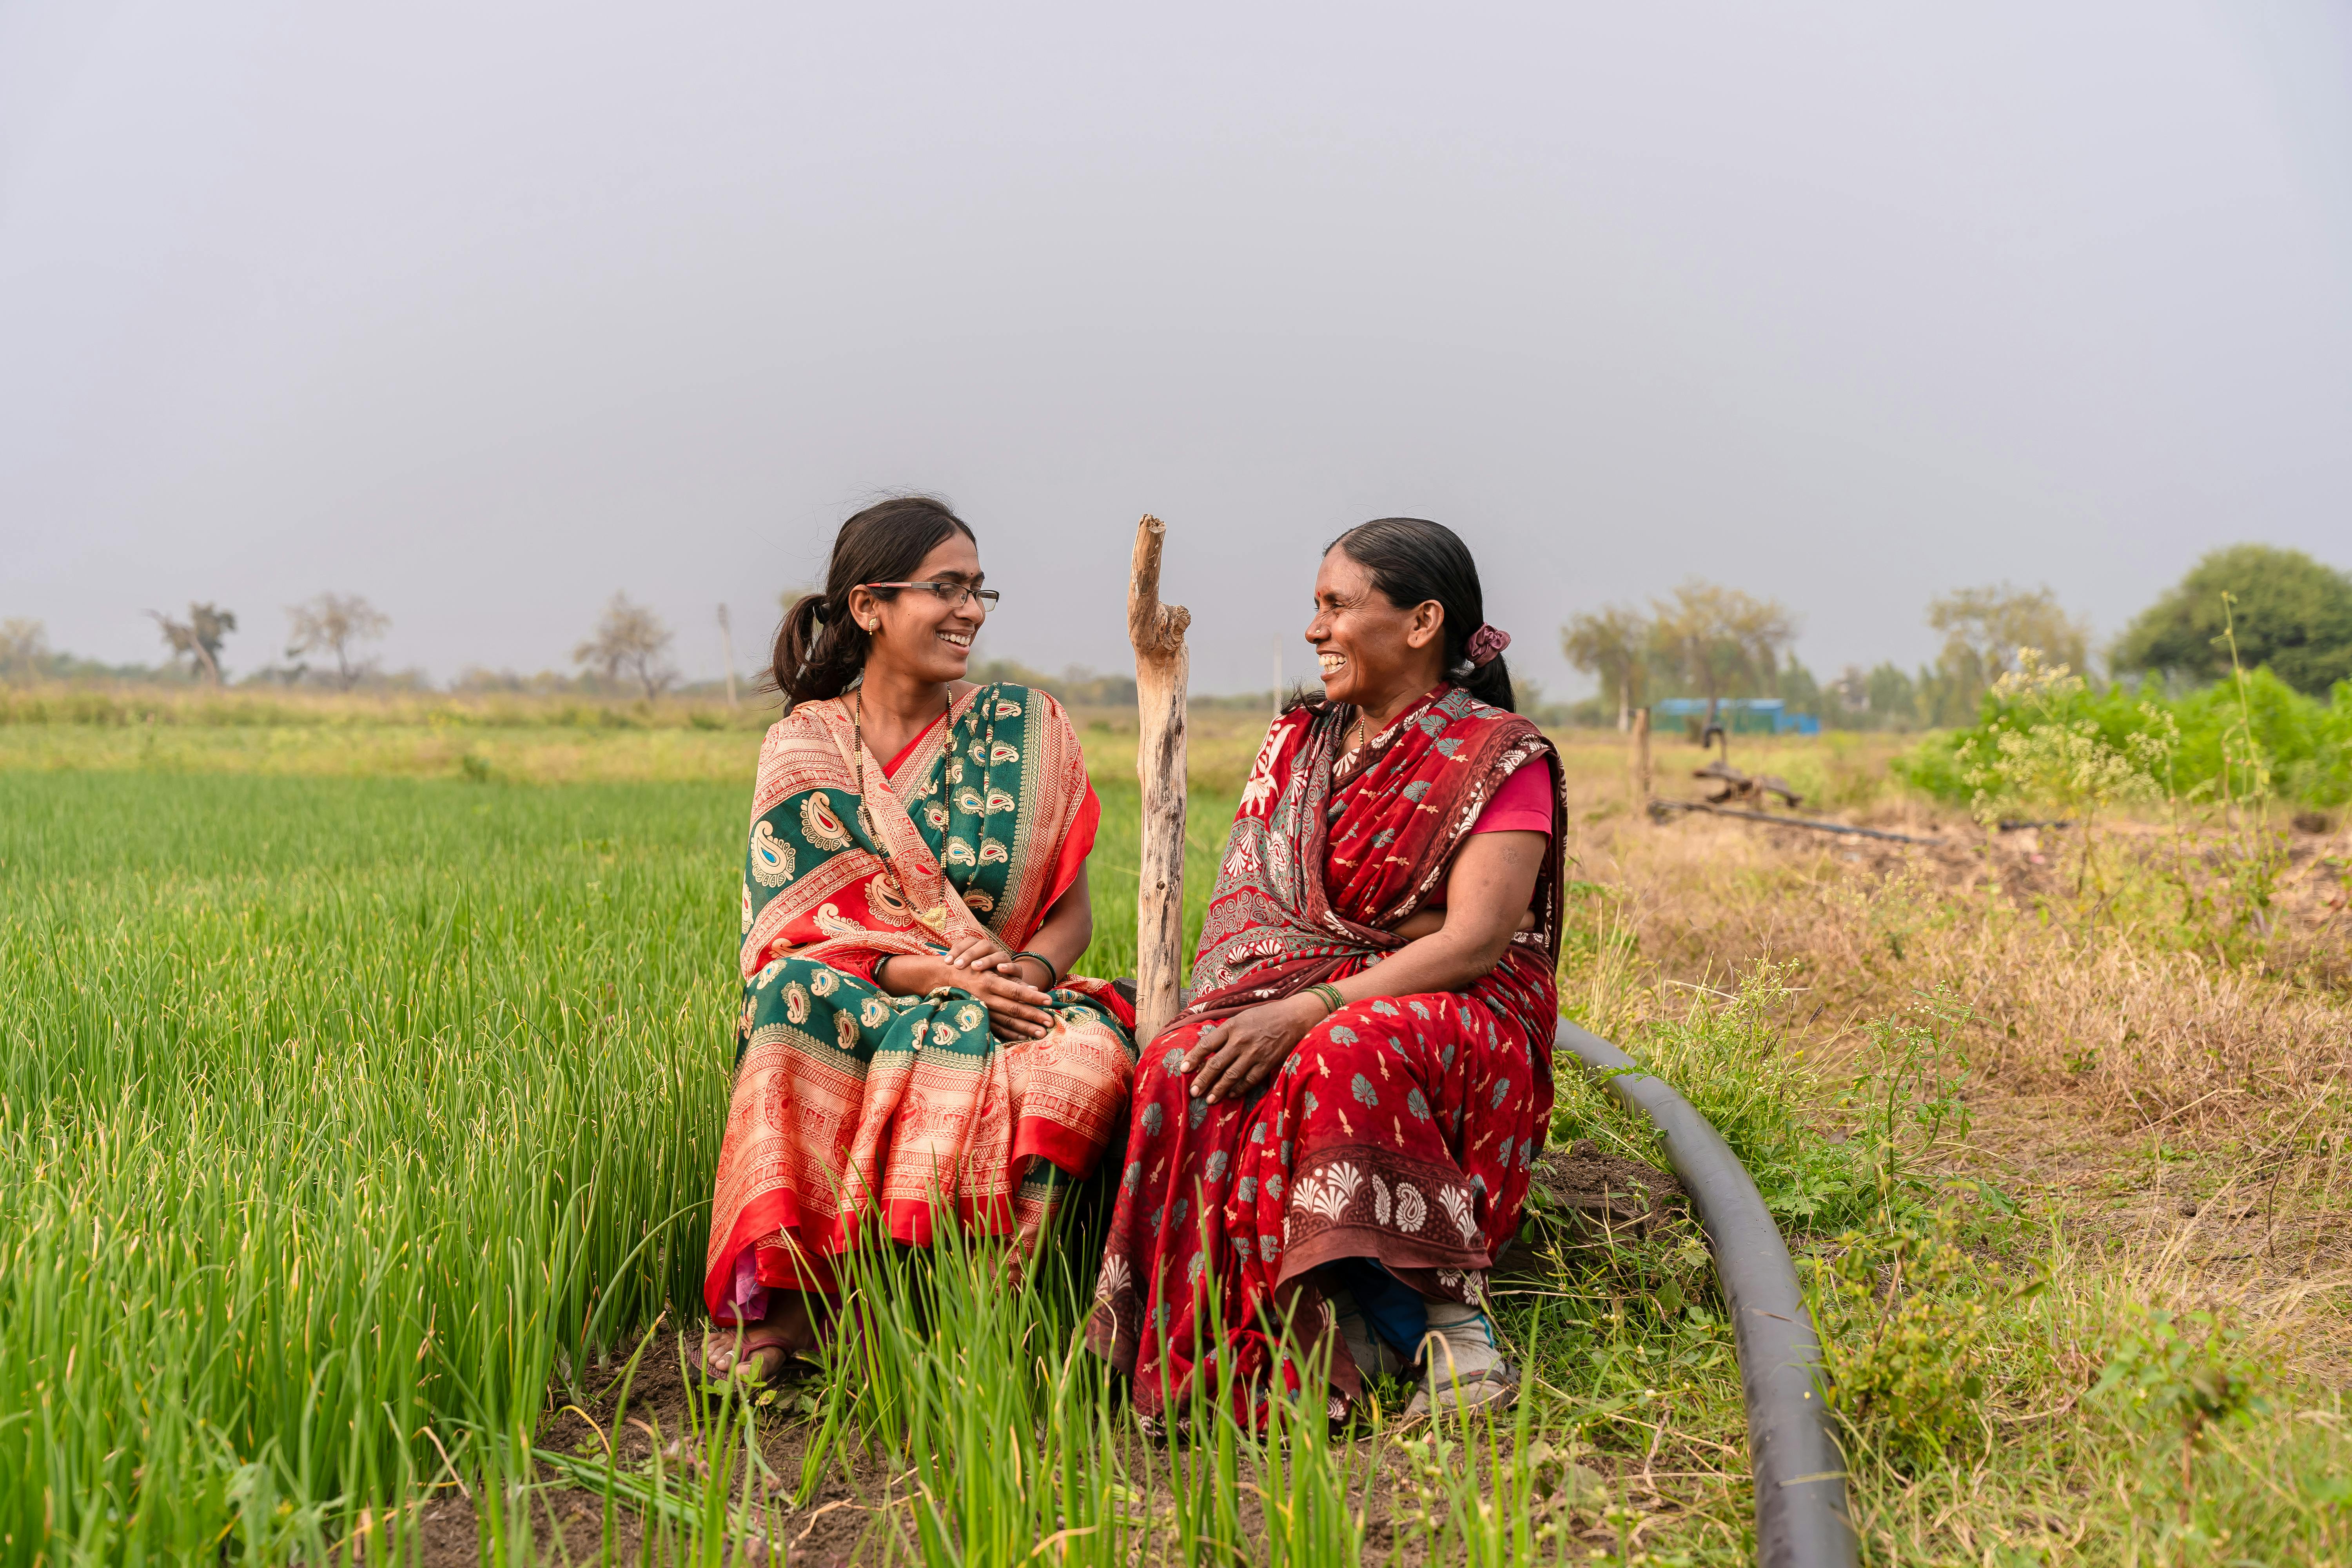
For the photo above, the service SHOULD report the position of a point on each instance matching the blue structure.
(1741, 715)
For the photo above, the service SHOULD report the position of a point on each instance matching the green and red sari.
(855, 1112)
(1401, 1130)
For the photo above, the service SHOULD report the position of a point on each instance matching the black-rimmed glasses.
(956, 595)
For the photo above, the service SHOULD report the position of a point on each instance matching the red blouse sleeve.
(1522, 806)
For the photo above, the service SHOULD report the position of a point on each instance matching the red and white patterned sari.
(1399, 1130)
(856, 1111)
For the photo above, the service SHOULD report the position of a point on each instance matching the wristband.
(1332, 1000)
(1053, 975)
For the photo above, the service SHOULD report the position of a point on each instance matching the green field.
(334, 1108)
(356, 1133)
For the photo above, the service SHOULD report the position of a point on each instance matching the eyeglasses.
(957, 594)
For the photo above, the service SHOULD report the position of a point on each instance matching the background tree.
(198, 638)
(630, 639)
(1609, 645)
(2290, 611)
(332, 623)
(1797, 687)
(1722, 642)
(1891, 697)
(24, 649)
(1983, 630)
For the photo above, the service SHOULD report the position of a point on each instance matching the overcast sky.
(488, 311)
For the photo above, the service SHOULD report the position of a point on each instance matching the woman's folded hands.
(1016, 1009)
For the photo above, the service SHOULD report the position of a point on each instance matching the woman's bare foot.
(756, 1353)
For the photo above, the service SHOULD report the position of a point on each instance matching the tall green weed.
(2308, 742)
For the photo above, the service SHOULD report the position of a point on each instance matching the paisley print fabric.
(1401, 1128)
(853, 1110)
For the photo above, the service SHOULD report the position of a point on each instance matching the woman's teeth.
(1333, 661)
(960, 640)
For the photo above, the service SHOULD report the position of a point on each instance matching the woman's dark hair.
(819, 651)
(1412, 559)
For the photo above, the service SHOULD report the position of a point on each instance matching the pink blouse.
(1523, 805)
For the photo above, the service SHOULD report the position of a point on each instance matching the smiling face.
(1374, 654)
(915, 635)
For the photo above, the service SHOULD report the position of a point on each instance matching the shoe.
(1492, 1389)
(1463, 1366)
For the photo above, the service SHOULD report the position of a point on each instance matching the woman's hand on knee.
(1248, 1048)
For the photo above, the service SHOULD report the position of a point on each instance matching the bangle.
(1332, 1000)
(1053, 975)
(877, 970)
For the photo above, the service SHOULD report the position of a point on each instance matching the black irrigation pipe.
(1814, 822)
(1801, 1519)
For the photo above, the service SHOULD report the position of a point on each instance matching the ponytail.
(1489, 682)
(819, 651)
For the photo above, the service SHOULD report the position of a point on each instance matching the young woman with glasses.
(912, 1049)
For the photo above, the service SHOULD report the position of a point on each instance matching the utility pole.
(1277, 675)
(727, 642)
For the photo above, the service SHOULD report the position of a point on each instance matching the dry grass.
(191, 705)
(2187, 1125)
(2150, 1128)
(503, 737)
(517, 754)
(2136, 1030)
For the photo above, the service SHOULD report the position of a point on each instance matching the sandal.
(1490, 1390)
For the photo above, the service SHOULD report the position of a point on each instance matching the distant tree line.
(2291, 612)
(328, 644)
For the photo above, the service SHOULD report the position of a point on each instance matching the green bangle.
(1332, 1000)
(1053, 975)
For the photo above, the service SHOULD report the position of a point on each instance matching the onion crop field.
(338, 1112)
(360, 1086)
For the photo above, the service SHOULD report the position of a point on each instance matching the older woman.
(1347, 1112)
(911, 1044)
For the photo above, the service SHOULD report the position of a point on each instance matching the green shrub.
(2306, 743)
(1905, 1331)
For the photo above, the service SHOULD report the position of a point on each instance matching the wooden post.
(1637, 762)
(1161, 668)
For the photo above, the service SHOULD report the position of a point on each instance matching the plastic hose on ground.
(1801, 1519)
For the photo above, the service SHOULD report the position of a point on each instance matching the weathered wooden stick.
(1161, 669)
(1637, 759)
